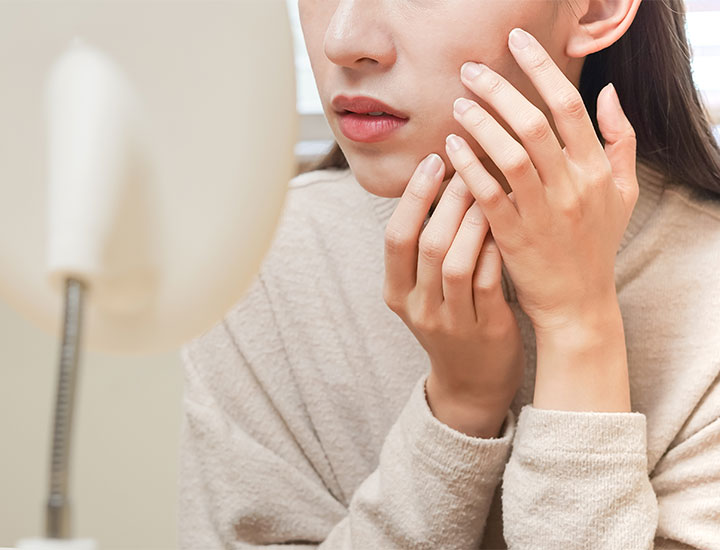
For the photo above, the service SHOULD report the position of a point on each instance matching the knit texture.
(306, 423)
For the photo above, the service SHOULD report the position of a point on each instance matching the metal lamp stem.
(57, 524)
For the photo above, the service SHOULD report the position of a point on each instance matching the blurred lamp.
(145, 150)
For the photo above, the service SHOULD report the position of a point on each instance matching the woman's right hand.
(444, 282)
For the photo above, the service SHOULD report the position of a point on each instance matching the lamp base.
(56, 544)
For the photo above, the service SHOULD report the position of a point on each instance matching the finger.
(561, 96)
(403, 227)
(487, 280)
(527, 121)
(510, 157)
(437, 237)
(460, 262)
(620, 144)
(498, 209)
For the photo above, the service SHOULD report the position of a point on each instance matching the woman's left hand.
(560, 228)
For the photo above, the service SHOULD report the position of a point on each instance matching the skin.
(412, 50)
(556, 231)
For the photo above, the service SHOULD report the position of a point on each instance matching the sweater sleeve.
(578, 480)
(432, 487)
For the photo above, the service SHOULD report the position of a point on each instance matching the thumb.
(620, 144)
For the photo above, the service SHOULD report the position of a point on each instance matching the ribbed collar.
(652, 185)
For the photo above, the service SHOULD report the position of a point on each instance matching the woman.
(514, 345)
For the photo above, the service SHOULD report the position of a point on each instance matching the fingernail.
(453, 142)
(461, 105)
(471, 70)
(431, 164)
(614, 94)
(519, 38)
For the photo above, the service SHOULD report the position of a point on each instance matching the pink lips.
(367, 128)
(357, 125)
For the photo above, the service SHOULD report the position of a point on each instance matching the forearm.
(583, 366)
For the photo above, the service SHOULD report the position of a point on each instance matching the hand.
(560, 234)
(444, 282)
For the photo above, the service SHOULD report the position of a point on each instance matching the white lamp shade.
(145, 148)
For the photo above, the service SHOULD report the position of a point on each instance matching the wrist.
(582, 365)
(475, 417)
(587, 327)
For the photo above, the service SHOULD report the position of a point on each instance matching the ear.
(601, 24)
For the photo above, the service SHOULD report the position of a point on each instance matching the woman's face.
(408, 54)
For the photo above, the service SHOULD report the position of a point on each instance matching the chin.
(384, 174)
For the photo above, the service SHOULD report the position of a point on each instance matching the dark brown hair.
(651, 71)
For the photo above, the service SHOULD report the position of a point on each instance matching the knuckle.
(571, 207)
(536, 128)
(492, 83)
(478, 121)
(475, 219)
(395, 239)
(431, 246)
(517, 164)
(540, 64)
(392, 300)
(629, 130)
(493, 198)
(634, 194)
(491, 247)
(425, 321)
(629, 136)
(467, 166)
(486, 285)
(457, 191)
(430, 326)
(416, 192)
(572, 105)
(455, 272)
(600, 177)
(473, 172)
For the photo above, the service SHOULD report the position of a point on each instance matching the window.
(703, 28)
(316, 137)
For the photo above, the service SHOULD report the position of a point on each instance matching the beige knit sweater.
(306, 424)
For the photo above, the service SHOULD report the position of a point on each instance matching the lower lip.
(369, 129)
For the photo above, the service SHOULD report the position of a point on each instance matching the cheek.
(441, 80)
(315, 17)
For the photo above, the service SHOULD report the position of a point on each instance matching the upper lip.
(363, 105)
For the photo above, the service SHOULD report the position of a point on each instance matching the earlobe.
(603, 23)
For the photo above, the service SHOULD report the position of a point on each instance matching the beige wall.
(127, 420)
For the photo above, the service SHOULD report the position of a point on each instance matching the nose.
(358, 35)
